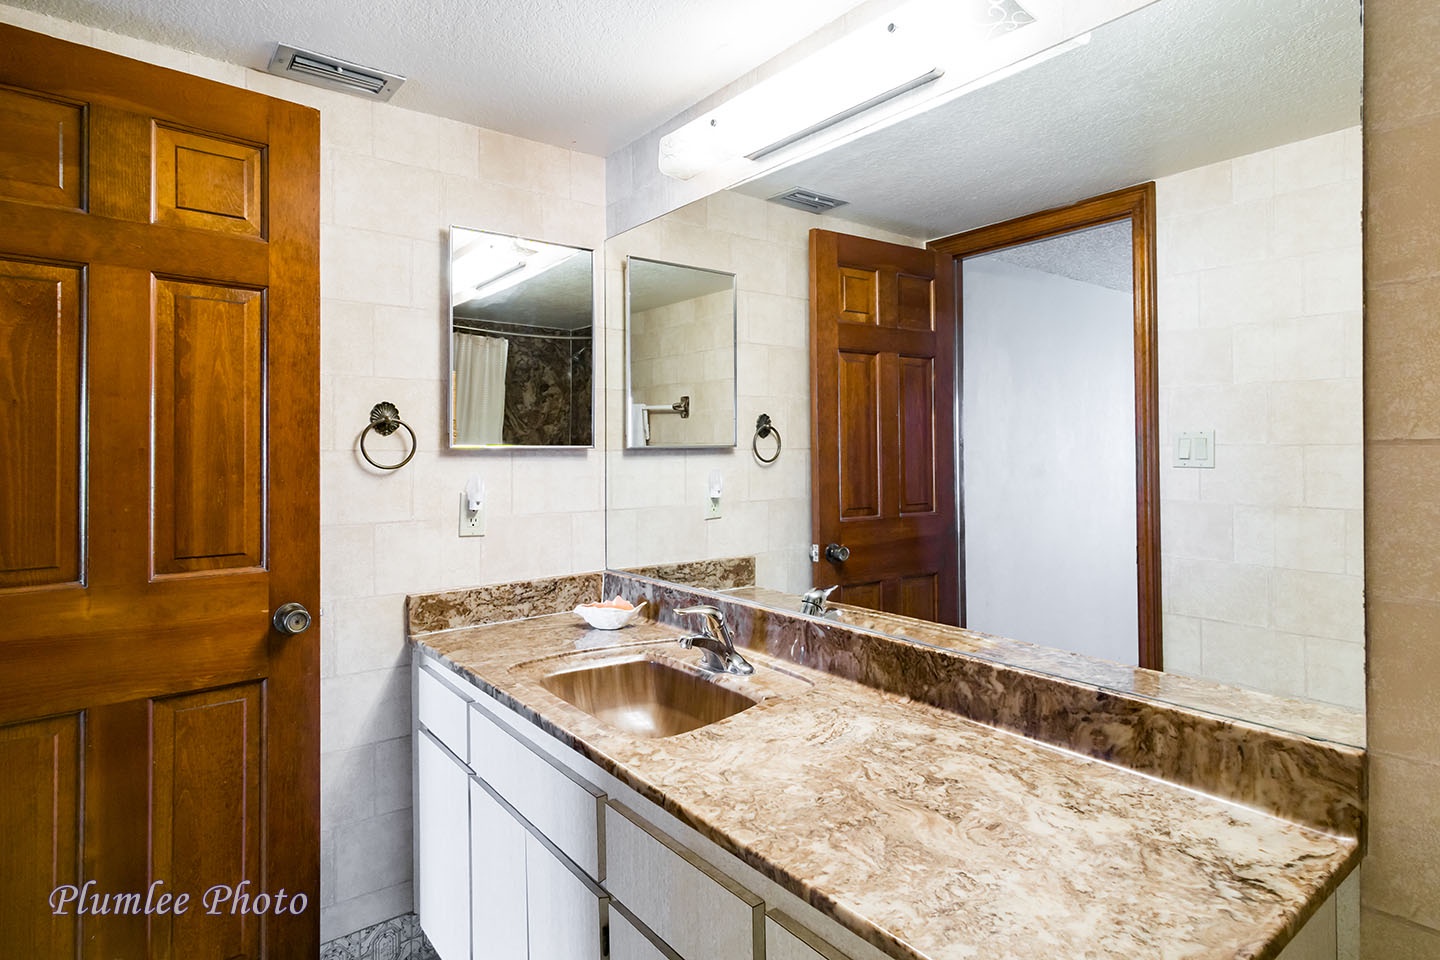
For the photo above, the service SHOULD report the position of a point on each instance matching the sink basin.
(646, 698)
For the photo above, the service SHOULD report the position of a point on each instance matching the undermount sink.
(647, 698)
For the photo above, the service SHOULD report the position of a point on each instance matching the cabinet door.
(442, 826)
(566, 912)
(497, 872)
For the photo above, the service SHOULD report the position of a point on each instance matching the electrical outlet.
(712, 509)
(471, 524)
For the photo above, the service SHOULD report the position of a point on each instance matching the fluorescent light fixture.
(875, 63)
(489, 263)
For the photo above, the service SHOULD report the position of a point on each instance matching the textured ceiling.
(652, 284)
(563, 296)
(1100, 255)
(1173, 86)
(588, 74)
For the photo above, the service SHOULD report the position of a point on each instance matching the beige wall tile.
(1253, 657)
(1402, 495)
(1403, 356)
(1383, 937)
(1335, 671)
(1203, 531)
(1401, 206)
(1266, 288)
(1316, 411)
(1217, 590)
(1181, 638)
(1402, 874)
(1334, 476)
(1310, 539)
(1319, 604)
(1404, 711)
(1310, 163)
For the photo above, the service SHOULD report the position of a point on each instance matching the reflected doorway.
(1058, 466)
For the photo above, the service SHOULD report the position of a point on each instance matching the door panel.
(40, 448)
(208, 183)
(39, 829)
(159, 327)
(209, 410)
(917, 435)
(858, 414)
(206, 820)
(882, 328)
(41, 130)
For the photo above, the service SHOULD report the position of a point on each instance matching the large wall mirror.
(1247, 120)
(521, 342)
(679, 355)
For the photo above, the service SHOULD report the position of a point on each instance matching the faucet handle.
(700, 609)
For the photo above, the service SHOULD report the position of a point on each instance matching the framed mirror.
(679, 355)
(522, 318)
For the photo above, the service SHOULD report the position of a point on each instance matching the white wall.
(1260, 340)
(392, 181)
(1048, 420)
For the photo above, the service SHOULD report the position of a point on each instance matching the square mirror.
(679, 355)
(521, 342)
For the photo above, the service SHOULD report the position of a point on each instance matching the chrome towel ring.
(385, 420)
(763, 429)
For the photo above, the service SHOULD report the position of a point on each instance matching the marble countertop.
(929, 835)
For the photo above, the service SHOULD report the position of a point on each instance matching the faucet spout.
(715, 642)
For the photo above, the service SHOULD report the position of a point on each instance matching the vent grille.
(810, 201)
(333, 73)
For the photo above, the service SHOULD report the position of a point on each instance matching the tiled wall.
(392, 181)
(687, 349)
(1401, 884)
(1260, 325)
(658, 498)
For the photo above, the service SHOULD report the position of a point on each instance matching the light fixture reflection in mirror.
(521, 332)
(679, 355)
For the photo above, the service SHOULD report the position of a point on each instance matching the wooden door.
(158, 499)
(882, 341)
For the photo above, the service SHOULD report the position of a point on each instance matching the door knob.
(291, 618)
(836, 553)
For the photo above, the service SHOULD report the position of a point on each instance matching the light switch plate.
(1195, 449)
(471, 524)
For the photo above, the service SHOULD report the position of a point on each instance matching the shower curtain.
(479, 388)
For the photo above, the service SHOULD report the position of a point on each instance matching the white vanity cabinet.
(441, 817)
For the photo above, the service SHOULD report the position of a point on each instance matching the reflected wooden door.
(158, 499)
(882, 341)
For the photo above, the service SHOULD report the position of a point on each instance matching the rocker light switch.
(1195, 449)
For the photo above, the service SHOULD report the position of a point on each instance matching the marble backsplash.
(492, 603)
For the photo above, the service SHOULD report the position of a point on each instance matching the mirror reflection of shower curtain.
(479, 388)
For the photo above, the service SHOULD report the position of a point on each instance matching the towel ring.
(763, 429)
(385, 420)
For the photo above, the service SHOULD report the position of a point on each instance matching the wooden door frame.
(1137, 204)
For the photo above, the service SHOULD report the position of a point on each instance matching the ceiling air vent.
(808, 200)
(332, 73)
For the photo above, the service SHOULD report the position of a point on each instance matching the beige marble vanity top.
(930, 835)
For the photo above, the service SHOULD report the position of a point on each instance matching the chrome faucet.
(813, 602)
(714, 641)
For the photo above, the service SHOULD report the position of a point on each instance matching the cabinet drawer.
(785, 939)
(628, 942)
(557, 802)
(701, 913)
(441, 708)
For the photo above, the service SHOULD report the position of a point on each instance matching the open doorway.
(1057, 458)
